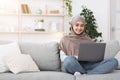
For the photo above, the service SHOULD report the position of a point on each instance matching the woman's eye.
(82, 25)
(77, 24)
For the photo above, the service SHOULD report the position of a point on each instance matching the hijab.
(69, 44)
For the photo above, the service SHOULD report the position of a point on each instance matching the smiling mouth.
(79, 31)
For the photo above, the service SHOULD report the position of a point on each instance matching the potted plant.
(68, 6)
(91, 26)
(40, 23)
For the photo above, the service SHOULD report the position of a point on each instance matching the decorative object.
(46, 9)
(54, 26)
(40, 23)
(25, 8)
(19, 63)
(39, 11)
(54, 11)
(39, 29)
(91, 26)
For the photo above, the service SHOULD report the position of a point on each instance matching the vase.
(40, 25)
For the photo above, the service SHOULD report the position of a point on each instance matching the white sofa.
(46, 56)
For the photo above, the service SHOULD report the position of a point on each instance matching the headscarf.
(69, 44)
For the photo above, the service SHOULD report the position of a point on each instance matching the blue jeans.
(72, 65)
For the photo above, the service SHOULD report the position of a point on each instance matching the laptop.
(92, 52)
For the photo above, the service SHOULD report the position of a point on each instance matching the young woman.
(69, 51)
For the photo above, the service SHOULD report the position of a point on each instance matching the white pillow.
(117, 56)
(7, 49)
(21, 63)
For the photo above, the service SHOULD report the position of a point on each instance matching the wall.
(101, 11)
(115, 20)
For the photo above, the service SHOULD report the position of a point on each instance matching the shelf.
(9, 32)
(9, 14)
(42, 32)
(44, 15)
(32, 32)
(23, 19)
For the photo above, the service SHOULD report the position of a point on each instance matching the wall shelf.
(9, 32)
(44, 15)
(13, 19)
(41, 32)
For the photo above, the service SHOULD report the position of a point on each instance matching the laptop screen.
(91, 52)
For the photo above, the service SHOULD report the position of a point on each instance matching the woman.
(69, 51)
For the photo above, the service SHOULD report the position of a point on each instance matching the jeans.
(72, 65)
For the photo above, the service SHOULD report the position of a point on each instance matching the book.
(54, 11)
(40, 29)
(25, 9)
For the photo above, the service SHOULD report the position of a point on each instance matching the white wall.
(100, 9)
(115, 20)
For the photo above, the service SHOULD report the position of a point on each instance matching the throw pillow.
(21, 63)
(7, 49)
(117, 56)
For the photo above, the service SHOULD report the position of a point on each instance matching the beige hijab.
(70, 43)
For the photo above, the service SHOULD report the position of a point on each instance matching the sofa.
(47, 58)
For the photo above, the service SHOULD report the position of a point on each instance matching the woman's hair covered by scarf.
(76, 19)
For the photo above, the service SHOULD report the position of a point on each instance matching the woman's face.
(78, 28)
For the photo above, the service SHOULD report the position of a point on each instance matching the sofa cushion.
(5, 50)
(43, 75)
(112, 48)
(110, 76)
(45, 55)
(19, 63)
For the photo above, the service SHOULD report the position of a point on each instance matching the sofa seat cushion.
(45, 55)
(43, 75)
(110, 76)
